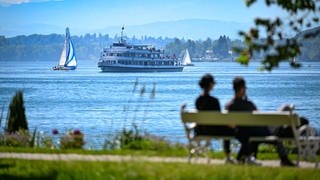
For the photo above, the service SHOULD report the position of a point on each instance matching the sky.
(91, 15)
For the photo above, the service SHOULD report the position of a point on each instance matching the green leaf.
(243, 59)
(250, 2)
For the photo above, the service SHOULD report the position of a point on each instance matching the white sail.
(63, 56)
(67, 59)
(71, 58)
(186, 58)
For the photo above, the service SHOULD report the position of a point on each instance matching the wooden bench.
(200, 144)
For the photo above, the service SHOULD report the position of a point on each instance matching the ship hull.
(141, 68)
(64, 68)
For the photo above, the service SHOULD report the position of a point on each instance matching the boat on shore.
(124, 57)
(67, 59)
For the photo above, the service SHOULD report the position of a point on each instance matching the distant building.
(209, 56)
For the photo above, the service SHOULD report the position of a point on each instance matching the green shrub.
(72, 140)
(133, 139)
(45, 141)
(16, 114)
(19, 138)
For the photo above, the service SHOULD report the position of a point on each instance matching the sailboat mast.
(121, 38)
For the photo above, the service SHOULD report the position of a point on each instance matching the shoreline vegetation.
(89, 46)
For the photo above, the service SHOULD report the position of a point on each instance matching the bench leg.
(197, 148)
(309, 150)
(193, 149)
(208, 144)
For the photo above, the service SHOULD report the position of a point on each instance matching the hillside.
(186, 28)
(89, 46)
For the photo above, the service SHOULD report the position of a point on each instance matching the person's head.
(239, 86)
(287, 107)
(207, 82)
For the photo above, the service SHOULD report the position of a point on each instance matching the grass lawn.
(38, 169)
(35, 169)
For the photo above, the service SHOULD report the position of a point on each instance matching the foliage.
(19, 138)
(220, 48)
(45, 141)
(1, 118)
(89, 46)
(128, 138)
(72, 140)
(301, 14)
(24, 169)
(43, 47)
(17, 119)
(133, 139)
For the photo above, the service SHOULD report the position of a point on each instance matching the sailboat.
(67, 59)
(187, 59)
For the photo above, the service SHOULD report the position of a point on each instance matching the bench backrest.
(256, 118)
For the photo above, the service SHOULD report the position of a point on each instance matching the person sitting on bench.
(206, 102)
(240, 102)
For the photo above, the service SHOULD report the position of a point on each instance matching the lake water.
(100, 104)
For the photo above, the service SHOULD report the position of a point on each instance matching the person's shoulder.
(249, 101)
(229, 104)
(207, 98)
(200, 97)
(214, 98)
(253, 106)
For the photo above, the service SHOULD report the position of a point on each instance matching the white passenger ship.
(123, 57)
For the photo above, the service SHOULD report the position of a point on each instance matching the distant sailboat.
(187, 59)
(68, 59)
(294, 63)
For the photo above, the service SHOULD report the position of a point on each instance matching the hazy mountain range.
(188, 29)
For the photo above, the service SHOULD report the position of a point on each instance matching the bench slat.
(241, 118)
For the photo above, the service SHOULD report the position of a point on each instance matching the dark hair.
(206, 80)
(238, 83)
